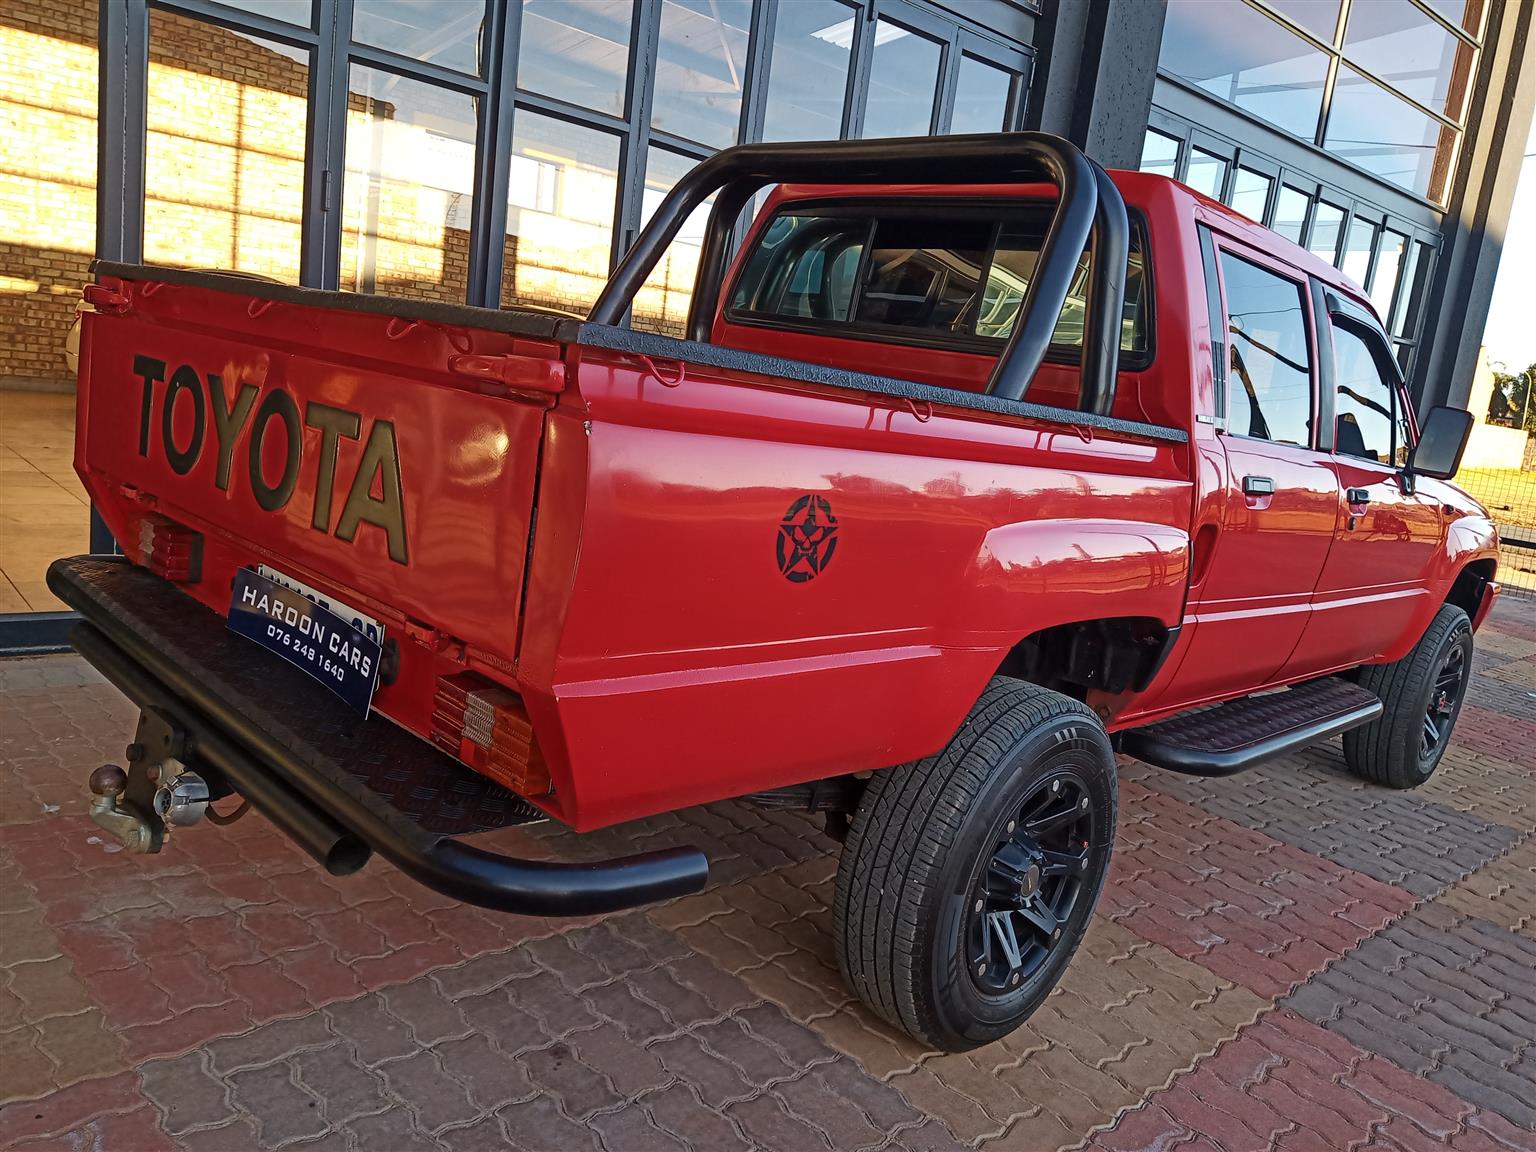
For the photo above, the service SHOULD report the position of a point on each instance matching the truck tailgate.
(383, 458)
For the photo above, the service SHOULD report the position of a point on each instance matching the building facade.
(498, 152)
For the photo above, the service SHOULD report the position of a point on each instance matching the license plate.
(307, 634)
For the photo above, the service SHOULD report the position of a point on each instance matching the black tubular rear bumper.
(339, 785)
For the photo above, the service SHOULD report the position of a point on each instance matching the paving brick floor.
(1288, 959)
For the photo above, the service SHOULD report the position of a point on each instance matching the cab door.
(1250, 607)
(1386, 536)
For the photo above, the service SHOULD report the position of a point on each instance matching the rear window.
(955, 278)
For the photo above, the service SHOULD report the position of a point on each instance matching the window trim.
(876, 207)
(1226, 244)
(1357, 320)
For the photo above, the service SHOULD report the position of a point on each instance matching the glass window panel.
(1013, 265)
(1245, 57)
(1291, 213)
(1160, 153)
(224, 188)
(1389, 259)
(903, 81)
(290, 11)
(1363, 407)
(441, 32)
(803, 267)
(577, 50)
(808, 71)
(1207, 174)
(560, 203)
(408, 187)
(1405, 313)
(1357, 250)
(661, 305)
(1250, 193)
(924, 272)
(700, 63)
(1465, 14)
(1270, 382)
(1375, 130)
(1398, 42)
(1327, 231)
(1319, 17)
(981, 97)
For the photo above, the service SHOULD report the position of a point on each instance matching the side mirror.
(1442, 440)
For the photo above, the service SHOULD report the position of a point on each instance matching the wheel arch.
(1111, 654)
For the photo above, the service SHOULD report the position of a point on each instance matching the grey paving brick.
(682, 1006)
(345, 1089)
(713, 1077)
(268, 1043)
(632, 1131)
(538, 1125)
(815, 1101)
(282, 1110)
(484, 1135)
(426, 1011)
(658, 943)
(679, 1110)
(580, 1089)
(757, 1060)
(510, 1027)
(551, 1001)
(483, 973)
(186, 1093)
(575, 968)
(618, 1001)
(615, 953)
(436, 1097)
(769, 1125)
(394, 1131)
(629, 1067)
(370, 1028)
(799, 1045)
(490, 1077)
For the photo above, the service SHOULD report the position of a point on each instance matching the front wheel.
(968, 878)
(1421, 696)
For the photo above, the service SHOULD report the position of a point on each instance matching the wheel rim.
(1444, 698)
(1030, 885)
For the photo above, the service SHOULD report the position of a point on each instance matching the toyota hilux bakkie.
(974, 465)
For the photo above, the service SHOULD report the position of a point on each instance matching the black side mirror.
(1442, 440)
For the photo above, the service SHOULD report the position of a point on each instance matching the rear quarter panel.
(678, 664)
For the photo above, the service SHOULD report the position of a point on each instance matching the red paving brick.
(228, 995)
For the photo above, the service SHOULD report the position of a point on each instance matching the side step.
(1240, 733)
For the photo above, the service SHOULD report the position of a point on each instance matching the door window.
(1270, 382)
(1369, 423)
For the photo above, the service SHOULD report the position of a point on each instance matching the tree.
(1513, 402)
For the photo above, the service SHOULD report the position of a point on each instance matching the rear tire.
(1421, 697)
(969, 877)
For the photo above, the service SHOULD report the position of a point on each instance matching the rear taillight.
(487, 727)
(171, 550)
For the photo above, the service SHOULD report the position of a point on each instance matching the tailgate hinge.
(515, 373)
(106, 298)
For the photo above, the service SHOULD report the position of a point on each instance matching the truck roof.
(1149, 192)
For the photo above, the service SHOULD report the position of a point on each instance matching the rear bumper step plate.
(395, 792)
(1241, 733)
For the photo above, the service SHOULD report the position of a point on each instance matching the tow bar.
(158, 792)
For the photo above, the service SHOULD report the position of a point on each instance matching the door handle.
(1357, 496)
(1258, 486)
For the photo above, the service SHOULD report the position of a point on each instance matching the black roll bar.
(1089, 211)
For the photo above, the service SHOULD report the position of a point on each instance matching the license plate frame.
(309, 635)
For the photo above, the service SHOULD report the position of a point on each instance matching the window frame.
(872, 208)
(1225, 244)
(1334, 309)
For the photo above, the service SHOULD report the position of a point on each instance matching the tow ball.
(138, 807)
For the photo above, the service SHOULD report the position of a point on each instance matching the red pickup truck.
(977, 465)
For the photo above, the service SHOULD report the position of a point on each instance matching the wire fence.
(1509, 494)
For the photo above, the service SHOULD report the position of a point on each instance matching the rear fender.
(1041, 573)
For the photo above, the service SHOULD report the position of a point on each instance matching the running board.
(1241, 733)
